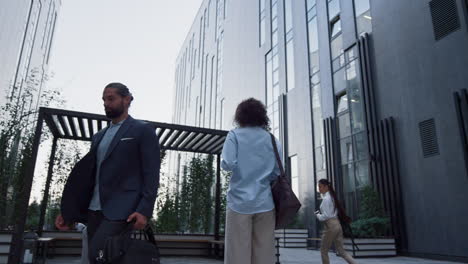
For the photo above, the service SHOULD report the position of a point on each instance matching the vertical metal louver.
(445, 18)
(429, 143)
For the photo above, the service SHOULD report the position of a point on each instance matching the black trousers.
(99, 229)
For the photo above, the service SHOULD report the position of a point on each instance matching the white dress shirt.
(327, 208)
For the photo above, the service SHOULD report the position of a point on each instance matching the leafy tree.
(17, 122)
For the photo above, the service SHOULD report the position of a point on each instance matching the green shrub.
(372, 221)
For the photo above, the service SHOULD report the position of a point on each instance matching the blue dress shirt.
(95, 203)
(248, 153)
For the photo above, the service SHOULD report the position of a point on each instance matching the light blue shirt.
(248, 153)
(95, 203)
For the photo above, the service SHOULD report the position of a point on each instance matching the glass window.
(354, 90)
(348, 180)
(288, 15)
(262, 22)
(290, 65)
(344, 127)
(311, 3)
(362, 173)
(275, 62)
(275, 77)
(269, 80)
(313, 46)
(274, 10)
(342, 104)
(363, 16)
(333, 9)
(294, 174)
(335, 28)
(274, 39)
(361, 6)
(315, 78)
(320, 158)
(321, 175)
(337, 46)
(360, 143)
(339, 80)
(262, 32)
(317, 116)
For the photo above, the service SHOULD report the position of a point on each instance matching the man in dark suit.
(117, 181)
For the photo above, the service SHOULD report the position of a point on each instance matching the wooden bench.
(217, 247)
(42, 247)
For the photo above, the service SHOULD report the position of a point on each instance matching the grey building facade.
(26, 38)
(363, 92)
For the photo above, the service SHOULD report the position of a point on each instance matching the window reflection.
(363, 16)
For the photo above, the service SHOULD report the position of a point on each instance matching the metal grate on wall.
(445, 18)
(429, 143)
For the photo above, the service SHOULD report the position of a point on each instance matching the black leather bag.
(286, 202)
(126, 248)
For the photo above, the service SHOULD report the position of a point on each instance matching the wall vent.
(429, 143)
(445, 18)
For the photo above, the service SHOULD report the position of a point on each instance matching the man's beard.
(113, 113)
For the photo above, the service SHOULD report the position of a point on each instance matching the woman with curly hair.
(250, 215)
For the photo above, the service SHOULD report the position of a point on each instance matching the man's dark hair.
(122, 89)
(252, 112)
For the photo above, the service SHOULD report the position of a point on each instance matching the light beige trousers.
(250, 238)
(333, 234)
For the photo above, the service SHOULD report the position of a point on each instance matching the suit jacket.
(129, 175)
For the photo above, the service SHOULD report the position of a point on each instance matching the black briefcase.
(128, 248)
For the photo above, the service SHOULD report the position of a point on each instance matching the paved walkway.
(288, 256)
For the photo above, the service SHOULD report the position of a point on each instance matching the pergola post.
(217, 203)
(45, 198)
(21, 211)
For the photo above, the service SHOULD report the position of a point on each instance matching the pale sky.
(135, 42)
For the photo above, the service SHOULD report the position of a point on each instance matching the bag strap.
(278, 159)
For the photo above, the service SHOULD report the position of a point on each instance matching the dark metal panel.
(386, 173)
(189, 140)
(181, 139)
(82, 127)
(194, 141)
(175, 137)
(209, 142)
(72, 126)
(51, 124)
(99, 125)
(218, 149)
(64, 127)
(399, 226)
(217, 199)
(216, 144)
(160, 132)
(202, 141)
(90, 127)
(166, 137)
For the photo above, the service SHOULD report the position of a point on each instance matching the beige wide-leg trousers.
(333, 234)
(250, 238)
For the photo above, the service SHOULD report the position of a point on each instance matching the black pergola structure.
(80, 126)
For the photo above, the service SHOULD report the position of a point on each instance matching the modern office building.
(363, 92)
(26, 38)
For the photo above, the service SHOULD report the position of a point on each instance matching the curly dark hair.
(252, 112)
